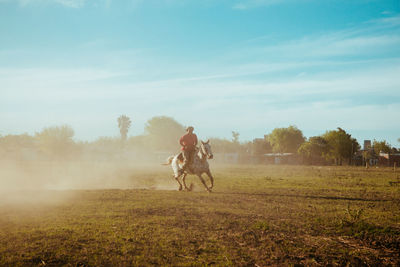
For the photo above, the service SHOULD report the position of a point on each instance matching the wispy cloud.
(392, 20)
(49, 81)
(241, 4)
(373, 39)
(71, 3)
(293, 100)
(65, 3)
(248, 4)
(334, 45)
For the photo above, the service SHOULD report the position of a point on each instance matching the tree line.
(161, 133)
(334, 146)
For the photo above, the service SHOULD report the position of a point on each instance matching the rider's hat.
(190, 128)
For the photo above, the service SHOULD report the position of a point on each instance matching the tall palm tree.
(124, 122)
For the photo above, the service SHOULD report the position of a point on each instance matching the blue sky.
(247, 65)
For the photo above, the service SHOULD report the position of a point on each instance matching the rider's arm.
(195, 140)
(181, 141)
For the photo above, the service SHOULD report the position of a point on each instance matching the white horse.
(198, 167)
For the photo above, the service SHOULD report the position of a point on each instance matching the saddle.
(180, 155)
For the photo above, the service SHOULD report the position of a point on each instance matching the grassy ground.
(256, 216)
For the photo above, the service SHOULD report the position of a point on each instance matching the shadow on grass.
(308, 196)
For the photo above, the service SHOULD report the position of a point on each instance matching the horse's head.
(206, 149)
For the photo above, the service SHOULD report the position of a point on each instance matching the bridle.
(205, 153)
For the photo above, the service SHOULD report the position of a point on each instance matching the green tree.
(138, 142)
(163, 133)
(220, 145)
(285, 140)
(315, 147)
(12, 146)
(235, 137)
(124, 123)
(381, 146)
(367, 155)
(341, 145)
(257, 149)
(56, 141)
(105, 143)
(260, 146)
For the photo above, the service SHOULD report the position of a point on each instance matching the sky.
(241, 65)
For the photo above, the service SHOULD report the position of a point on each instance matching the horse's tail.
(169, 161)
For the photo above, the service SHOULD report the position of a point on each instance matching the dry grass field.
(256, 216)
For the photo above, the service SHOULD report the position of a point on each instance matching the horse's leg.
(179, 182)
(211, 178)
(184, 182)
(175, 168)
(204, 182)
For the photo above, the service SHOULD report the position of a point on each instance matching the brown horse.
(198, 167)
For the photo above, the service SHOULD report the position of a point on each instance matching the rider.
(188, 143)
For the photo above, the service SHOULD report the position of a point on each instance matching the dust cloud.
(42, 181)
(51, 160)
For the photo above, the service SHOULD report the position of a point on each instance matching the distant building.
(367, 145)
(226, 157)
(259, 148)
(281, 158)
(387, 159)
(368, 155)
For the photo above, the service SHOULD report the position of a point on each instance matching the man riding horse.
(191, 160)
(188, 143)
